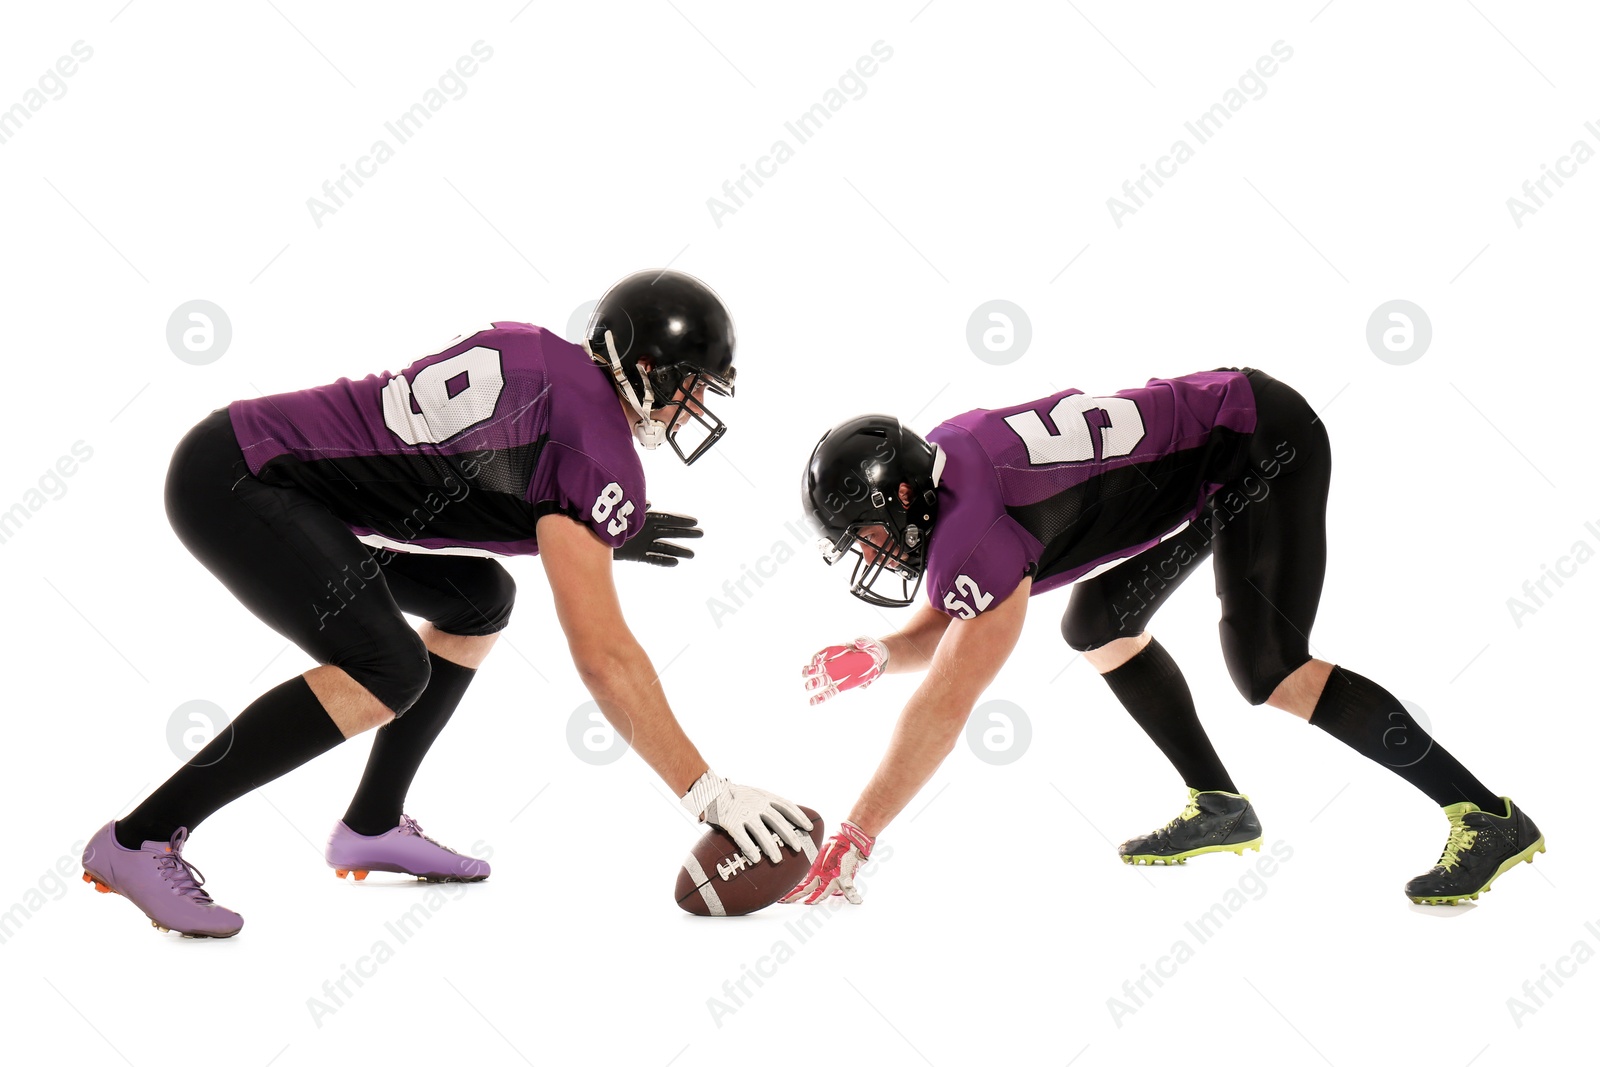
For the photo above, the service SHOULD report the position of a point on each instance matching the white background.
(977, 165)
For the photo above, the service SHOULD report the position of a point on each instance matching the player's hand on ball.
(834, 870)
(840, 667)
(652, 545)
(758, 821)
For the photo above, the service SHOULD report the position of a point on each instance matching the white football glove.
(751, 816)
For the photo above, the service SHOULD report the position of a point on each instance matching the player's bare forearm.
(624, 683)
(966, 660)
(911, 648)
(923, 737)
(615, 669)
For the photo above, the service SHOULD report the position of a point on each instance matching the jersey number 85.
(608, 499)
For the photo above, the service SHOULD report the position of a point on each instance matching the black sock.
(285, 727)
(398, 749)
(1368, 718)
(1152, 688)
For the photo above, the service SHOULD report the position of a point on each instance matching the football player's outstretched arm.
(622, 681)
(613, 666)
(967, 659)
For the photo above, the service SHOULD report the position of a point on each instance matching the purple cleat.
(159, 882)
(403, 850)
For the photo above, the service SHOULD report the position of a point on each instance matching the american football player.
(1122, 497)
(332, 511)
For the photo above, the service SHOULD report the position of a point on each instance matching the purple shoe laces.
(185, 877)
(408, 825)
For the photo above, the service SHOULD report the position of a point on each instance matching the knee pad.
(1258, 678)
(397, 674)
(1086, 628)
(1253, 688)
(1081, 638)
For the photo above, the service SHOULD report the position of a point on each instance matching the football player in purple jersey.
(1121, 496)
(331, 512)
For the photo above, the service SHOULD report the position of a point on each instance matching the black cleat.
(1482, 846)
(1214, 821)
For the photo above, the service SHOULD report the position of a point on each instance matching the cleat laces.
(1461, 840)
(185, 877)
(1190, 811)
(408, 825)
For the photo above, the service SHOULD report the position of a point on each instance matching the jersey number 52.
(969, 587)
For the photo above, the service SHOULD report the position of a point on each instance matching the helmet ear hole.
(664, 382)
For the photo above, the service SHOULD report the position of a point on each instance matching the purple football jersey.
(462, 452)
(1062, 487)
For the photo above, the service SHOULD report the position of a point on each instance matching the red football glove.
(833, 871)
(840, 667)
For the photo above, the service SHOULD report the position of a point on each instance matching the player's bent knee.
(398, 677)
(1084, 634)
(413, 672)
(1257, 682)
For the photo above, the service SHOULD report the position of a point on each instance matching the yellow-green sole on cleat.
(1525, 856)
(1180, 857)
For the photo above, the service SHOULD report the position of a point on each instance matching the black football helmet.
(678, 327)
(852, 483)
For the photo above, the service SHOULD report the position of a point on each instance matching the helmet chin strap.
(648, 431)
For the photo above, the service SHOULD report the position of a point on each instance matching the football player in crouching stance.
(1123, 495)
(332, 511)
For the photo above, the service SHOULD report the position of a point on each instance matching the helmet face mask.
(686, 414)
(892, 562)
